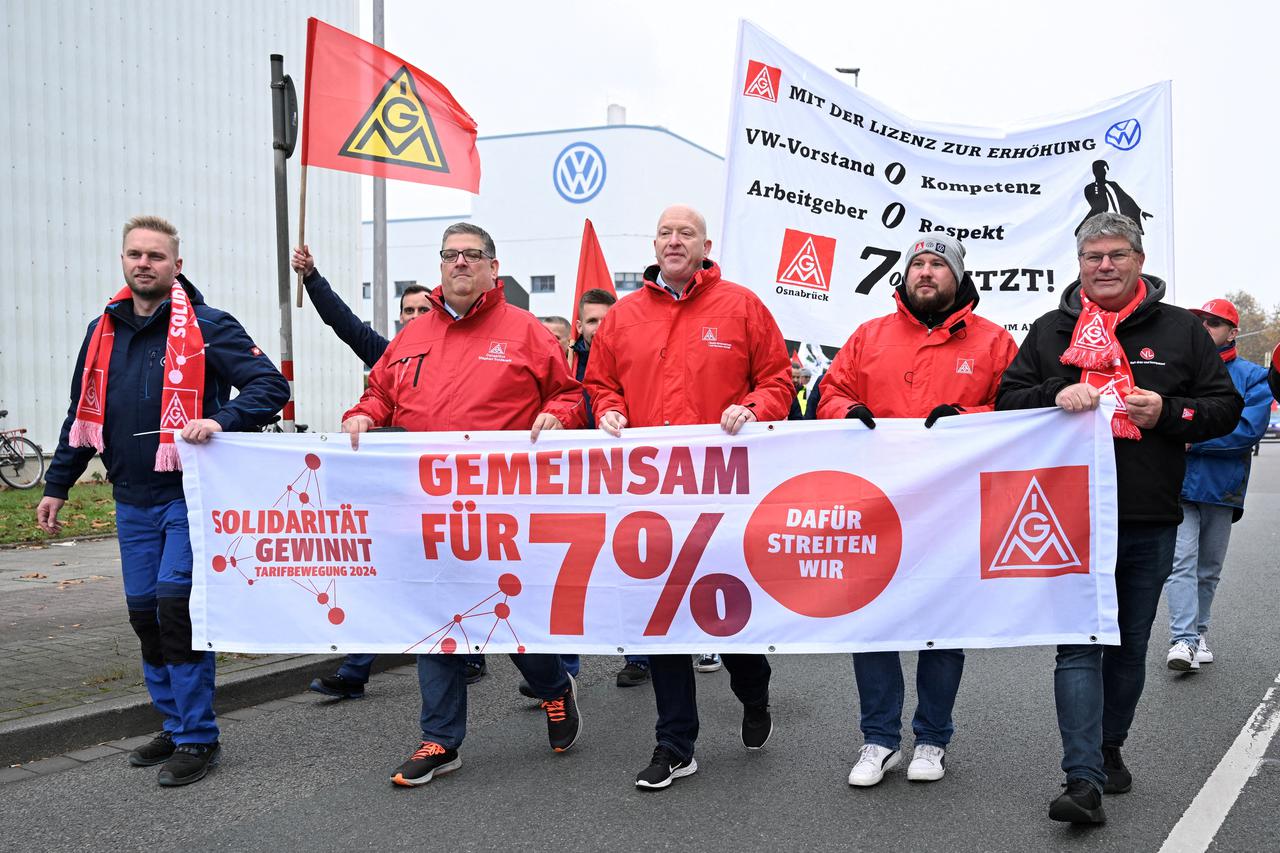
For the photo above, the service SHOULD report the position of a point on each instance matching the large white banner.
(988, 530)
(826, 188)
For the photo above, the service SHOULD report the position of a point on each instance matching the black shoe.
(1079, 803)
(564, 724)
(189, 763)
(429, 761)
(336, 685)
(153, 753)
(757, 725)
(633, 675)
(475, 671)
(1119, 779)
(664, 768)
(526, 690)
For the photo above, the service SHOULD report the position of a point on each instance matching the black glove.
(946, 410)
(863, 414)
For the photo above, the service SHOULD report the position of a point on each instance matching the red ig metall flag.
(369, 111)
(593, 272)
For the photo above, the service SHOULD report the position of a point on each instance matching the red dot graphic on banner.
(509, 584)
(502, 611)
(313, 461)
(336, 614)
(824, 543)
(219, 563)
(449, 645)
(322, 598)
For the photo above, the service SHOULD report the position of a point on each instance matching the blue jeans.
(675, 693)
(1197, 566)
(443, 682)
(155, 558)
(1097, 688)
(881, 692)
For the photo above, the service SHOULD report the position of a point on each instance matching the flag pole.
(302, 221)
(379, 213)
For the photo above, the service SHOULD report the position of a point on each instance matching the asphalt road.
(314, 775)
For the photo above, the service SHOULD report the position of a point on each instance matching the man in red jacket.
(475, 362)
(690, 348)
(931, 358)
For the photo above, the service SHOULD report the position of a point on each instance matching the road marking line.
(1203, 818)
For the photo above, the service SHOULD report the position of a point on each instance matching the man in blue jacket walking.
(157, 362)
(1213, 497)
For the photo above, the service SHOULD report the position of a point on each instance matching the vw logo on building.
(579, 172)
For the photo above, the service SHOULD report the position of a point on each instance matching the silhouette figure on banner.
(1103, 195)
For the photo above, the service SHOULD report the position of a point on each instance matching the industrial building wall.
(538, 228)
(120, 108)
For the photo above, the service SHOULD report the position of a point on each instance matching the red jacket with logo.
(899, 368)
(496, 367)
(660, 360)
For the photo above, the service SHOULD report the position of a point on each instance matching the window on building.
(628, 280)
(401, 285)
(542, 284)
(368, 290)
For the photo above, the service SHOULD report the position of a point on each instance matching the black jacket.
(1182, 366)
(367, 344)
(134, 379)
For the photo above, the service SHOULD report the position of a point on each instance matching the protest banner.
(826, 188)
(992, 529)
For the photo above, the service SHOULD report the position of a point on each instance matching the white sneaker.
(1203, 655)
(873, 763)
(1182, 657)
(707, 663)
(928, 764)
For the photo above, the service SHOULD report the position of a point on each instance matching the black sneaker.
(429, 761)
(189, 763)
(664, 768)
(564, 724)
(757, 725)
(1119, 779)
(475, 671)
(633, 675)
(153, 753)
(1079, 803)
(336, 685)
(525, 690)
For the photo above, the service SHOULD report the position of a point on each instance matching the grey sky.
(518, 66)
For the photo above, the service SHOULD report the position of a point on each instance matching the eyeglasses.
(1093, 259)
(473, 256)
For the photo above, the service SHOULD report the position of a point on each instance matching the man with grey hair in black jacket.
(1113, 336)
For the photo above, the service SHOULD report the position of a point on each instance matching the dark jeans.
(357, 667)
(1097, 688)
(676, 696)
(442, 679)
(881, 692)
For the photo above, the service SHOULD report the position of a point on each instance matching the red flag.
(593, 272)
(369, 111)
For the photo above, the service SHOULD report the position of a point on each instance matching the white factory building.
(535, 192)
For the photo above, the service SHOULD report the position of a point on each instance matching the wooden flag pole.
(302, 222)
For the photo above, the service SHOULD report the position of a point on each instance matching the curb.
(60, 731)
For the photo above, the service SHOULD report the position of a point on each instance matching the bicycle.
(21, 459)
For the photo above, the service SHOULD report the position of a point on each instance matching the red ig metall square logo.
(1035, 524)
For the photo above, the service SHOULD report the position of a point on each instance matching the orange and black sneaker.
(563, 721)
(429, 761)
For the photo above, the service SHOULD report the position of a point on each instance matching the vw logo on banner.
(579, 172)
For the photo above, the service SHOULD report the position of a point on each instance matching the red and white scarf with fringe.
(1103, 364)
(181, 398)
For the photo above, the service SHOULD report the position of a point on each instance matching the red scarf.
(1228, 352)
(1103, 364)
(180, 398)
